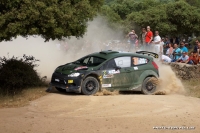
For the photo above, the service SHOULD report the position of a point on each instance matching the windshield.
(90, 61)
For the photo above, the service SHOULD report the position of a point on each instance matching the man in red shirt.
(148, 39)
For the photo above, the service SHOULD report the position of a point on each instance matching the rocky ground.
(124, 113)
(117, 113)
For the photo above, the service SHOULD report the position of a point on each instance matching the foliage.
(186, 18)
(51, 19)
(175, 17)
(18, 74)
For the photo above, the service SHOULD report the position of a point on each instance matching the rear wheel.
(60, 89)
(149, 85)
(90, 86)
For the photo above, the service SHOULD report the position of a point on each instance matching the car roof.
(109, 54)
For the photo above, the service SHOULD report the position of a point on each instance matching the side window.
(85, 61)
(109, 65)
(138, 61)
(123, 61)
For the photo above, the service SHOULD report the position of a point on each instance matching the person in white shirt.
(157, 43)
(166, 58)
(183, 58)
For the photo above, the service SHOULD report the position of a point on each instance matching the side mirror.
(117, 68)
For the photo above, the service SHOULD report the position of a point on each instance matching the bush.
(18, 74)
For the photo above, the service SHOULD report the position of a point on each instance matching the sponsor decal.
(106, 85)
(109, 73)
(113, 71)
(81, 67)
(135, 68)
(108, 76)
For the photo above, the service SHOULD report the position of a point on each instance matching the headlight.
(74, 75)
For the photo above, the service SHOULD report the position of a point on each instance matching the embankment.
(185, 71)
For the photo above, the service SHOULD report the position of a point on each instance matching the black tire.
(90, 86)
(60, 89)
(149, 86)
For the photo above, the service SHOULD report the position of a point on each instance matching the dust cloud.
(96, 39)
(168, 82)
(51, 54)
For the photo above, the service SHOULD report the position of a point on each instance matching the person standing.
(156, 43)
(133, 38)
(148, 38)
(144, 32)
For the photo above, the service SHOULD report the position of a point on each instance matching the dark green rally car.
(111, 70)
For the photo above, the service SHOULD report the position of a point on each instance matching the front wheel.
(149, 85)
(90, 86)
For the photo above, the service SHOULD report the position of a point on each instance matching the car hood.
(70, 68)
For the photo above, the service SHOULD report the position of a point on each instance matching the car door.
(122, 78)
(116, 73)
(139, 66)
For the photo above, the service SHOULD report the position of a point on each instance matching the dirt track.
(124, 113)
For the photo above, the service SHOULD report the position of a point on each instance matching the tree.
(167, 16)
(195, 3)
(185, 17)
(51, 19)
(154, 17)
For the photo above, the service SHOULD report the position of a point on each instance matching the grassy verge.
(22, 99)
(192, 87)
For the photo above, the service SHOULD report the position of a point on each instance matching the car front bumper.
(70, 84)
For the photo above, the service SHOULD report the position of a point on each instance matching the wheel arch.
(95, 75)
(148, 73)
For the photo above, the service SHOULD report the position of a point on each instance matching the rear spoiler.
(148, 53)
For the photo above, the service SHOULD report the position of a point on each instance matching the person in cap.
(184, 58)
(133, 39)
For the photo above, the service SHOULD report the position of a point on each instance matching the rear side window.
(138, 61)
(123, 61)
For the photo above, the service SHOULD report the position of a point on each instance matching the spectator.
(157, 43)
(177, 53)
(166, 43)
(193, 59)
(133, 38)
(162, 44)
(184, 58)
(148, 38)
(144, 32)
(170, 51)
(183, 48)
(174, 40)
(197, 47)
(166, 58)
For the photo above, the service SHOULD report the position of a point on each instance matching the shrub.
(17, 74)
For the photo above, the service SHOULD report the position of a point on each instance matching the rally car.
(112, 70)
